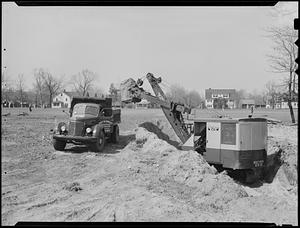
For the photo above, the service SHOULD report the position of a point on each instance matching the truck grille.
(107, 128)
(75, 128)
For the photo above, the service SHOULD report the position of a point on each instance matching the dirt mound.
(162, 130)
(282, 162)
(185, 174)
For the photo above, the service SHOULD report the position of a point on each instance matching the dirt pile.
(282, 149)
(184, 174)
(284, 163)
(162, 129)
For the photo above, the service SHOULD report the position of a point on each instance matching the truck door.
(213, 142)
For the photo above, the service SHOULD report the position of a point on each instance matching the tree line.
(46, 86)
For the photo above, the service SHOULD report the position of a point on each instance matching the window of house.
(56, 99)
(226, 95)
(214, 95)
(66, 99)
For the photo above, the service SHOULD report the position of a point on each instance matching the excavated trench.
(278, 152)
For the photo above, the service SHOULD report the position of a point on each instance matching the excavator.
(238, 145)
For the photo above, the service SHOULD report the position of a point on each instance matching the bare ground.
(143, 178)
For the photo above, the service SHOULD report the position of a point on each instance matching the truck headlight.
(63, 128)
(88, 130)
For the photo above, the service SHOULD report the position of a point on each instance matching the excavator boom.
(173, 111)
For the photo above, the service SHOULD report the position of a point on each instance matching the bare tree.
(39, 84)
(83, 81)
(271, 92)
(52, 84)
(283, 59)
(239, 95)
(20, 88)
(5, 87)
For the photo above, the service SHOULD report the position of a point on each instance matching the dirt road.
(144, 178)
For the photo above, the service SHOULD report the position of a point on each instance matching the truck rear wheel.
(99, 145)
(115, 135)
(59, 145)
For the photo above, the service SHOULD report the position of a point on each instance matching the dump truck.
(92, 122)
(234, 144)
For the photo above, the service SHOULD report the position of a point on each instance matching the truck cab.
(92, 121)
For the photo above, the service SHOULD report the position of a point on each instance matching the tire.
(59, 145)
(115, 137)
(99, 145)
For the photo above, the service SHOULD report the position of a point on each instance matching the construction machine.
(234, 144)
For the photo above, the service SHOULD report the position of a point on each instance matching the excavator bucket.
(126, 89)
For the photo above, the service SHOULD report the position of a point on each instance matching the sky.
(194, 47)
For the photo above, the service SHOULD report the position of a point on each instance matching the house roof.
(71, 94)
(247, 101)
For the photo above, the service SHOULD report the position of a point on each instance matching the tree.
(240, 94)
(6, 88)
(271, 89)
(20, 88)
(283, 59)
(52, 84)
(178, 94)
(39, 85)
(194, 99)
(83, 81)
(220, 103)
(114, 93)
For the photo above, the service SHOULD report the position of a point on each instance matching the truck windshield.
(83, 109)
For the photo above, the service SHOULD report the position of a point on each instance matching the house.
(220, 98)
(260, 104)
(282, 101)
(246, 103)
(143, 104)
(63, 100)
(284, 104)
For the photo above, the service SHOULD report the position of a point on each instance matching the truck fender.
(99, 127)
(57, 128)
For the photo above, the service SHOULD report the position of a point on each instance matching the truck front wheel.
(59, 145)
(99, 145)
(115, 135)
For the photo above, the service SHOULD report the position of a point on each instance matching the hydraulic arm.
(173, 111)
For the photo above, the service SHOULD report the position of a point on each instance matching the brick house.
(218, 98)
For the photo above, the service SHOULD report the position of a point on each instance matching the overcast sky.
(195, 47)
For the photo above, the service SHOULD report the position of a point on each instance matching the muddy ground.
(143, 178)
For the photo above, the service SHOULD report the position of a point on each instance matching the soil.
(143, 178)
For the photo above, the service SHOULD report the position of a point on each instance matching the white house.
(63, 100)
(284, 104)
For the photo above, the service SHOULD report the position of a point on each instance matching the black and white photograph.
(149, 113)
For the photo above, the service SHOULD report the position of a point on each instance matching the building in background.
(63, 99)
(246, 103)
(143, 104)
(281, 101)
(220, 98)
